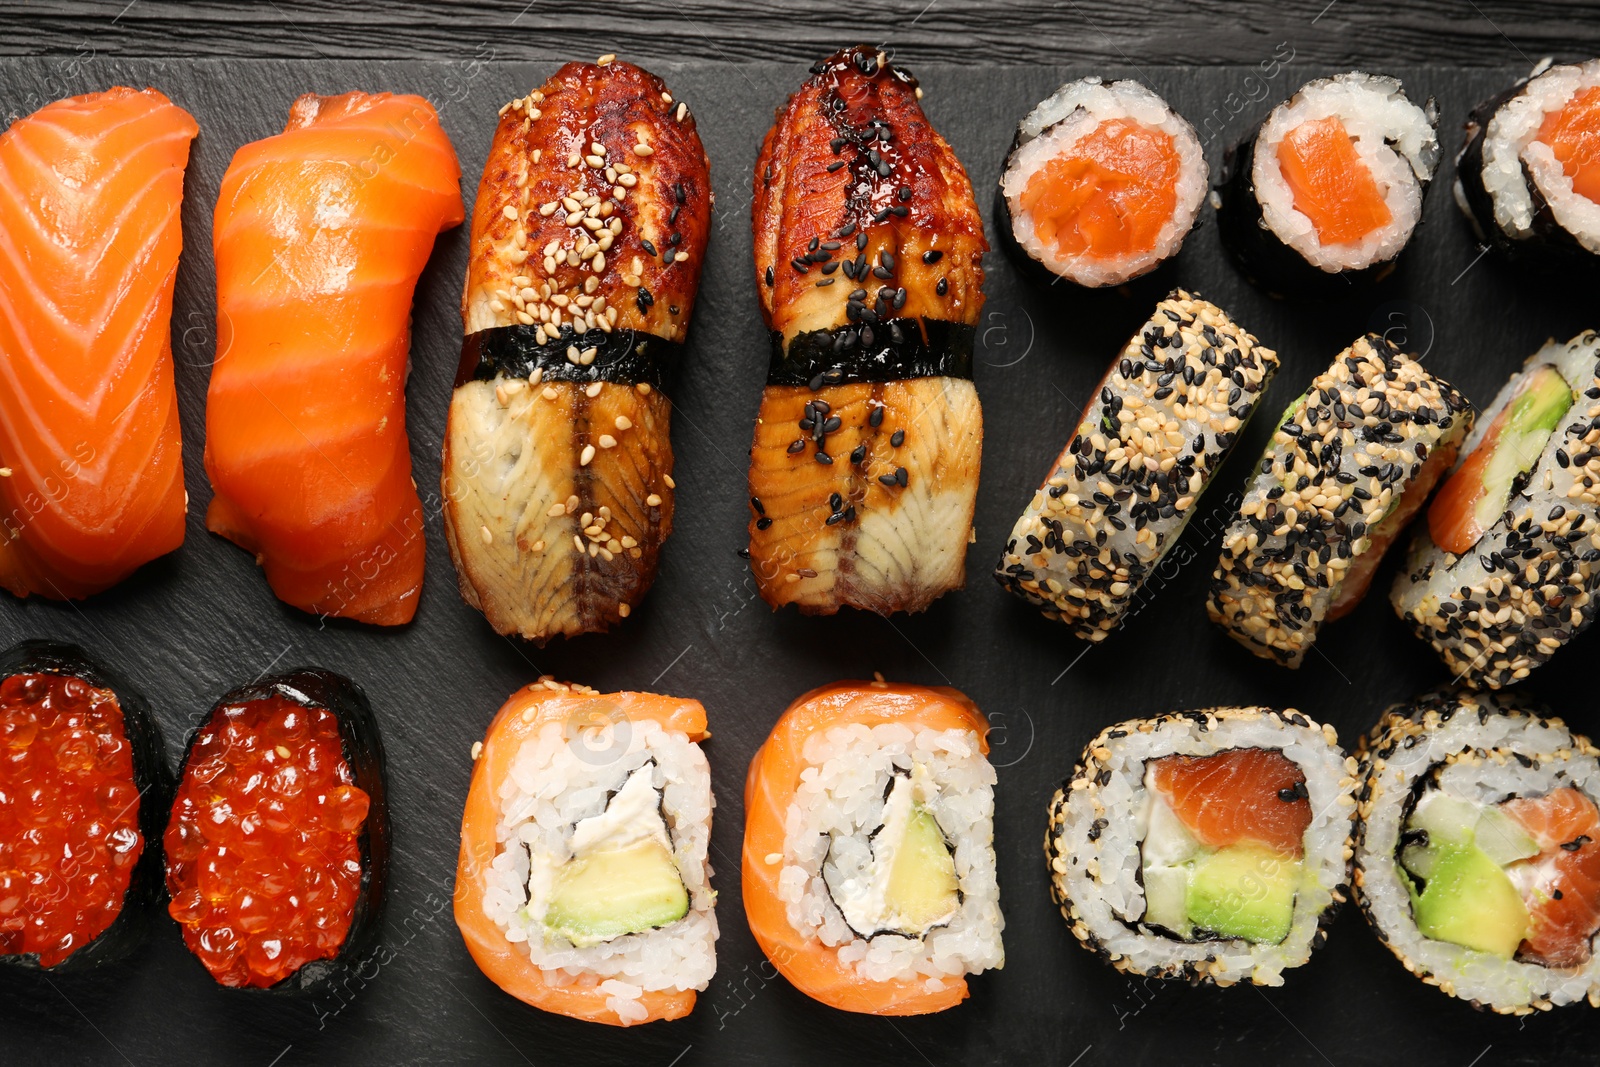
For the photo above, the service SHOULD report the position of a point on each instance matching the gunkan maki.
(83, 775)
(1328, 191)
(278, 842)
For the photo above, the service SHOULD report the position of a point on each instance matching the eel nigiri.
(320, 234)
(583, 886)
(587, 238)
(91, 471)
(868, 255)
(870, 811)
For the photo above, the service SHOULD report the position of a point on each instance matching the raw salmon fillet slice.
(1566, 826)
(91, 471)
(320, 235)
(1240, 794)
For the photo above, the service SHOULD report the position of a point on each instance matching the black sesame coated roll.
(1351, 462)
(1503, 574)
(1169, 410)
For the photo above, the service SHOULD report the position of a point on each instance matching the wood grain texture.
(1154, 31)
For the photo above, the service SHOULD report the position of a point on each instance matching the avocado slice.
(1469, 901)
(911, 885)
(1245, 891)
(621, 878)
(613, 892)
(1535, 411)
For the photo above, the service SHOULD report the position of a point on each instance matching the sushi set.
(1330, 641)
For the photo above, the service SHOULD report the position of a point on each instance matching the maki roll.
(1503, 574)
(83, 789)
(588, 234)
(869, 869)
(278, 842)
(1205, 845)
(1102, 183)
(1352, 461)
(868, 257)
(1478, 851)
(1330, 186)
(583, 886)
(1528, 178)
(1168, 412)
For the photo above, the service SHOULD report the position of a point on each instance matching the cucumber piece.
(1447, 819)
(1502, 840)
(1166, 891)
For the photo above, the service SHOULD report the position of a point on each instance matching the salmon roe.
(69, 814)
(263, 861)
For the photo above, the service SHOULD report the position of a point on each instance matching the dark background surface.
(193, 625)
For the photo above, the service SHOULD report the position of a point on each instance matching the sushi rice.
(1093, 844)
(827, 828)
(1479, 747)
(554, 782)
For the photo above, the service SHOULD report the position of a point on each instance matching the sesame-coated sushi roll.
(1528, 178)
(583, 886)
(587, 238)
(1206, 845)
(868, 258)
(1352, 460)
(1503, 573)
(1331, 185)
(1477, 855)
(869, 867)
(1102, 183)
(1166, 415)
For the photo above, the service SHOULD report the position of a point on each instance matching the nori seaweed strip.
(147, 886)
(926, 348)
(624, 356)
(314, 687)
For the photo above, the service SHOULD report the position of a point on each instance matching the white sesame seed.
(546, 210)
(510, 212)
(592, 391)
(641, 149)
(623, 610)
(607, 441)
(653, 500)
(577, 543)
(670, 483)
(597, 148)
(629, 180)
(644, 388)
(550, 392)
(605, 60)
(624, 423)
(683, 110)
(488, 538)
(586, 456)
(477, 749)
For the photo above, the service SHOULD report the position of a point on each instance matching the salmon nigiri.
(320, 235)
(91, 475)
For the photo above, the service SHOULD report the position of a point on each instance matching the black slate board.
(189, 627)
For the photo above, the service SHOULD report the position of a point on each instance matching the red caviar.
(263, 861)
(69, 814)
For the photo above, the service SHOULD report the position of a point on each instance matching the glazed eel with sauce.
(868, 251)
(587, 238)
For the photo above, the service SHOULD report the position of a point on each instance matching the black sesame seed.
(858, 454)
(897, 438)
(888, 479)
(648, 247)
(770, 278)
(824, 458)
(797, 445)
(901, 476)
(932, 256)
(876, 417)
(943, 287)
(835, 165)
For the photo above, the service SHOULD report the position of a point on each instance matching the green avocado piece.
(1534, 414)
(922, 888)
(1469, 901)
(617, 891)
(1244, 891)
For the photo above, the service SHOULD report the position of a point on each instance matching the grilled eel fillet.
(587, 237)
(868, 255)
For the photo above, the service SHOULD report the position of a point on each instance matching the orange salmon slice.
(1241, 794)
(1564, 903)
(1331, 185)
(1109, 196)
(1573, 134)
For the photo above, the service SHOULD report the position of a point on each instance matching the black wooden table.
(191, 626)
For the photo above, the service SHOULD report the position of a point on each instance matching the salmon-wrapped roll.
(320, 235)
(868, 255)
(587, 239)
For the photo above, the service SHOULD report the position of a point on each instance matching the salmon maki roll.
(583, 886)
(1211, 846)
(91, 471)
(868, 257)
(1478, 852)
(869, 869)
(1328, 191)
(320, 235)
(587, 239)
(1102, 184)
